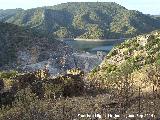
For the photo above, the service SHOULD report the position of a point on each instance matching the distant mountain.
(5, 14)
(86, 20)
(157, 16)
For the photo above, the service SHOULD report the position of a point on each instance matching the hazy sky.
(145, 6)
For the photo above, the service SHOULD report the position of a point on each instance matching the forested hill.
(5, 14)
(86, 20)
(21, 46)
(14, 39)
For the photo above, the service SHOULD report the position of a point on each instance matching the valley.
(79, 61)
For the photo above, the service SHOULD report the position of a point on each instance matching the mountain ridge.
(89, 20)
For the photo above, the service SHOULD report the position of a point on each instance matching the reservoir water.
(94, 45)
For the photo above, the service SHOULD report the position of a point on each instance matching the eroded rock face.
(57, 60)
(55, 57)
(86, 61)
(55, 66)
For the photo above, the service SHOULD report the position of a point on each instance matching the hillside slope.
(20, 46)
(135, 62)
(91, 20)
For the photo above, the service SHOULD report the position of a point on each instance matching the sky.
(145, 6)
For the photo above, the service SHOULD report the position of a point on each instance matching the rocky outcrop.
(58, 57)
(86, 61)
(58, 62)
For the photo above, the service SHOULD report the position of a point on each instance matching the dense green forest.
(92, 20)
